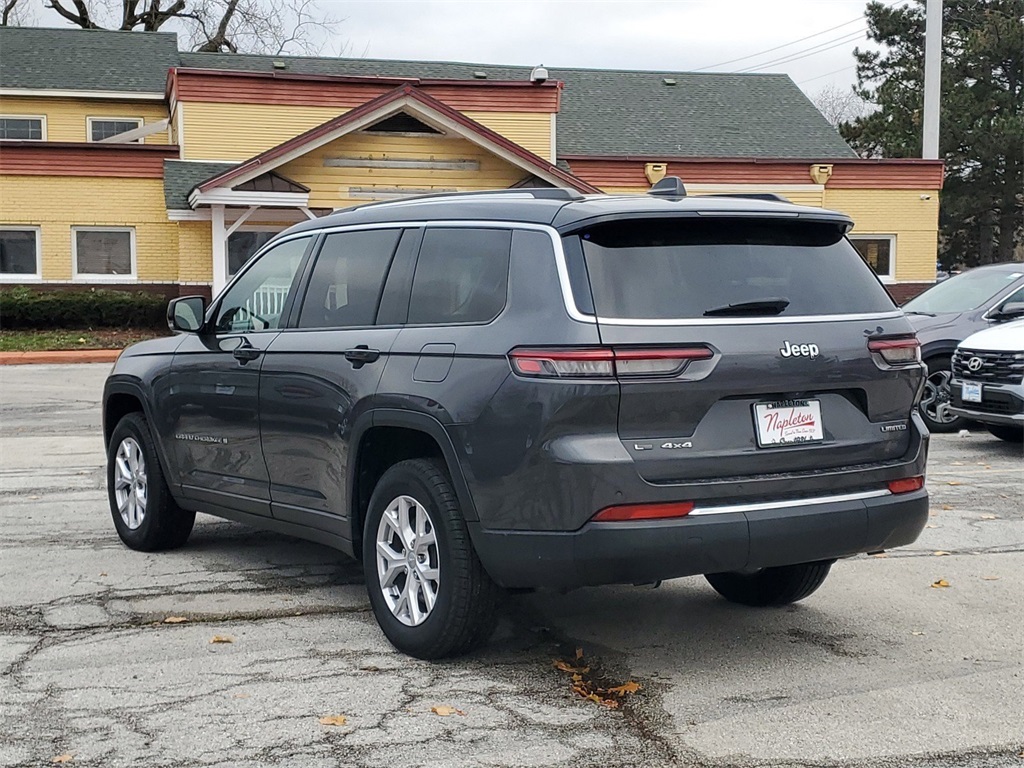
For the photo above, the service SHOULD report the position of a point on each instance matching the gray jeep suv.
(530, 389)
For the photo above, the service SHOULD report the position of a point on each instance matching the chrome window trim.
(868, 316)
(767, 505)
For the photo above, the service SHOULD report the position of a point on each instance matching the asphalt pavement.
(107, 656)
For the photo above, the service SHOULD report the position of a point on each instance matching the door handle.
(245, 352)
(361, 355)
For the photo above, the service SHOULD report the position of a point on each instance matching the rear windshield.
(682, 268)
(963, 292)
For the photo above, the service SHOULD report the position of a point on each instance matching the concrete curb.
(61, 357)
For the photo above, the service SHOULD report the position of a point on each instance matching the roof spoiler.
(670, 186)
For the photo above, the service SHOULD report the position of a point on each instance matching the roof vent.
(280, 64)
(668, 80)
(539, 75)
(480, 75)
(670, 186)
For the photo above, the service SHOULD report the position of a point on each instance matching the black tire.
(1007, 433)
(465, 612)
(771, 586)
(936, 392)
(164, 524)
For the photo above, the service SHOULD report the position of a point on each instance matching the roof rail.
(753, 196)
(538, 193)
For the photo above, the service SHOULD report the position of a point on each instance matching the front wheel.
(936, 397)
(428, 590)
(1009, 434)
(771, 586)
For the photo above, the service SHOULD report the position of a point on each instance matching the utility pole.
(932, 79)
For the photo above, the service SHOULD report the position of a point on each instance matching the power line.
(837, 43)
(784, 45)
(833, 72)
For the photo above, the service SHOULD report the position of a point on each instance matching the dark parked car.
(531, 389)
(949, 312)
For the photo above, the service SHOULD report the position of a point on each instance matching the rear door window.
(663, 269)
(461, 276)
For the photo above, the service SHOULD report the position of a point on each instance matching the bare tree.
(16, 13)
(250, 26)
(839, 105)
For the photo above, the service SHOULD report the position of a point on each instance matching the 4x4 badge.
(674, 446)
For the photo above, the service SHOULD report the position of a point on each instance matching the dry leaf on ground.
(333, 720)
(931, 526)
(880, 554)
(444, 710)
(941, 583)
(989, 517)
(622, 690)
(65, 758)
(954, 482)
(990, 578)
(222, 639)
(940, 552)
(567, 667)
(916, 633)
(947, 507)
(175, 620)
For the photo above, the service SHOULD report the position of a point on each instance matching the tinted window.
(18, 251)
(104, 251)
(681, 268)
(964, 292)
(243, 245)
(256, 301)
(344, 289)
(461, 276)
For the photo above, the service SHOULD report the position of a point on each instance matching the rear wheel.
(145, 516)
(1009, 434)
(771, 586)
(936, 397)
(428, 590)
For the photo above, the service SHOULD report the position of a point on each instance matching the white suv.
(988, 380)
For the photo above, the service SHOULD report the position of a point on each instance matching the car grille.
(996, 367)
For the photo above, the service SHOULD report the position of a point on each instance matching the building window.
(243, 244)
(104, 253)
(101, 128)
(22, 128)
(879, 251)
(19, 253)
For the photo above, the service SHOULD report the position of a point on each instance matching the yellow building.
(124, 162)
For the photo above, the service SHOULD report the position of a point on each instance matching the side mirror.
(186, 314)
(1009, 311)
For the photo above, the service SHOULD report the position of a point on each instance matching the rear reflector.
(629, 512)
(906, 484)
(604, 362)
(898, 351)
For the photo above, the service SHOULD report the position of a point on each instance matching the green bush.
(22, 308)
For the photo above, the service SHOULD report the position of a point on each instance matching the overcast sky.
(680, 35)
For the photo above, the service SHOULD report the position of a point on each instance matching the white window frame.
(40, 118)
(891, 277)
(104, 118)
(25, 277)
(92, 277)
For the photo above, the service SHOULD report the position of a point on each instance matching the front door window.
(256, 301)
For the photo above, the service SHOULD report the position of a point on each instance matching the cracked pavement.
(876, 669)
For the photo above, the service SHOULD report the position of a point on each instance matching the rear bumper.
(622, 553)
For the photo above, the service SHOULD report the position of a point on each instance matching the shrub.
(23, 308)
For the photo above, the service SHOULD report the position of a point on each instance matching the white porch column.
(220, 248)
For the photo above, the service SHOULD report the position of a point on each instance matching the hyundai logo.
(975, 363)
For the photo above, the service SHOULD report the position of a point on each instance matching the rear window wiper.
(772, 306)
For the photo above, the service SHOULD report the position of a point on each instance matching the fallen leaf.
(369, 668)
(917, 633)
(175, 620)
(932, 514)
(880, 554)
(954, 482)
(103, 573)
(940, 553)
(947, 507)
(989, 517)
(222, 639)
(67, 757)
(622, 690)
(242, 695)
(444, 710)
(81, 340)
(579, 654)
(567, 667)
(990, 578)
(941, 583)
(931, 526)
(333, 720)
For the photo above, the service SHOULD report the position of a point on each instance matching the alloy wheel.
(407, 560)
(936, 394)
(130, 483)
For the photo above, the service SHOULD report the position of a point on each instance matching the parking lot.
(881, 667)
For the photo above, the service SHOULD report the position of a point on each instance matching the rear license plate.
(788, 422)
(970, 392)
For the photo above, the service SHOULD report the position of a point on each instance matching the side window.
(461, 276)
(345, 287)
(255, 302)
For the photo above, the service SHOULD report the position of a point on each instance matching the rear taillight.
(628, 512)
(903, 350)
(604, 362)
(906, 484)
